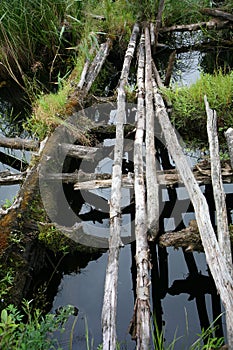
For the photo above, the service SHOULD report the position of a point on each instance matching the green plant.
(6, 281)
(31, 330)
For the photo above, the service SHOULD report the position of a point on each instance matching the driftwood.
(211, 25)
(217, 13)
(151, 174)
(111, 279)
(217, 263)
(229, 138)
(18, 143)
(140, 324)
(218, 190)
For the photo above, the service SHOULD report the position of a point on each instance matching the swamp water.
(178, 303)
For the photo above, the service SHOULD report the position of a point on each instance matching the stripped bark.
(111, 279)
(217, 263)
(218, 190)
(151, 175)
(229, 138)
(142, 304)
(18, 143)
(212, 24)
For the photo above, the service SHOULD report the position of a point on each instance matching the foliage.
(180, 12)
(188, 113)
(53, 239)
(35, 332)
(6, 281)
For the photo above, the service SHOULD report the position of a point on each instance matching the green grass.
(189, 115)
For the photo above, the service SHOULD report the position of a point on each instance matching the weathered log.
(141, 316)
(217, 13)
(151, 174)
(111, 278)
(218, 190)
(171, 62)
(217, 264)
(229, 138)
(211, 25)
(7, 178)
(18, 143)
(78, 151)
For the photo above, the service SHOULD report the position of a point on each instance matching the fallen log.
(229, 138)
(211, 25)
(18, 143)
(218, 190)
(151, 174)
(7, 178)
(140, 324)
(111, 278)
(217, 263)
(217, 13)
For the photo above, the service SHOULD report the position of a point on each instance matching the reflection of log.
(217, 13)
(151, 174)
(170, 66)
(111, 278)
(13, 162)
(229, 138)
(213, 24)
(18, 143)
(218, 190)
(217, 263)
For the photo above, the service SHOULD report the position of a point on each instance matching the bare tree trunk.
(111, 279)
(218, 190)
(151, 175)
(217, 263)
(18, 143)
(142, 304)
(229, 138)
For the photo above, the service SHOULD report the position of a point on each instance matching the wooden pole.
(217, 263)
(18, 143)
(151, 175)
(218, 190)
(111, 279)
(142, 304)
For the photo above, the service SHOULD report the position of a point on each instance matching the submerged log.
(18, 143)
(218, 190)
(111, 278)
(229, 138)
(217, 263)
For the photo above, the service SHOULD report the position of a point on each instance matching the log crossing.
(146, 179)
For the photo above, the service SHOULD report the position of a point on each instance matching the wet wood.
(229, 138)
(141, 318)
(151, 174)
(218, 190)
(211, 25)
(111, 279)
(18, 143)
(217, 13)
(217, 263)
